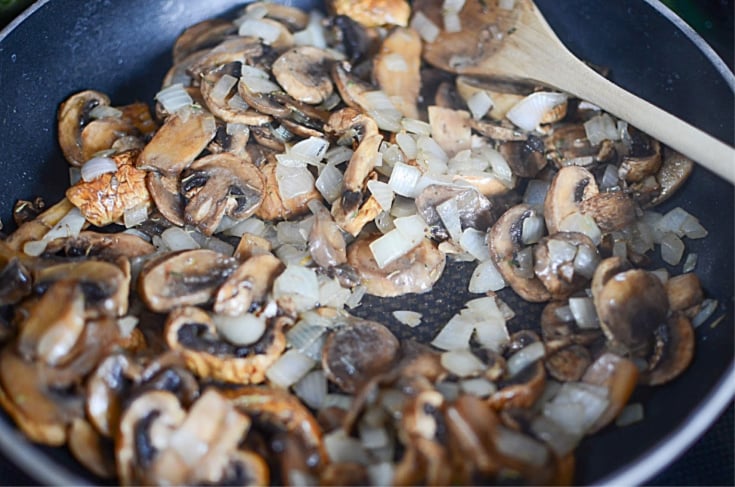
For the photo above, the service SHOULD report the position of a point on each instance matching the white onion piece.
(403, 180)
(381, 473)
(693, 229)
(630, 414)
(304, 333)
(329, 183)
(523, 263)
(341, 401)
(240, 330)
(389, 247)
(427, 29)
(528, 112)
(585, 261)
(533, 229)
(583, 310)
(407, 143)
(413, 228)
(506, 4)
(415, 126)
(358, 292)
(521, 447)
(408, 318)
(291, 254)
(176, 238)
(486, 277)
(312, 389)
(96, 167)
(473, 241)
(451, 20)
(248, 71)
(379, 105)
(429, 149)
(222, 88)
(69, 226)
(174, 97)
(461, 363)
(332, 294)
(577, 222)
(256, 84)
(289, 369)
(599, 128)
(577, 406)
(499, 165)
(479, 104)
(384, 222)
(372, 437)
(672, 248)
(478, 386)
(535, 193)
(561, 441)
(251, 226)
(312, 148)
(708, 308)
(298, 286)
(289, 232)
(610, 178)
(455, 335)
(269, 33)
(564, 313)
(135, 216)
(690, 263)
(237, 103)
(313, 34)
(343, 448)
(293, 181)
(525, 357)
(338, 154)
(382, 192)
(449, 215)
(449, 390)
(560, 251)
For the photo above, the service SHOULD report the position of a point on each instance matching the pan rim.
(25, 454)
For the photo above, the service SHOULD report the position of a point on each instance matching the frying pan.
(59, 47)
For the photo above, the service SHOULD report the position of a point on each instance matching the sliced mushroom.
(104, 390)
(90, 449)
(188, 277)
(612, 211)
(506, 244)
(15, 279)
(675, 170)
(350, 87)
(104, 246)
(569, 363)
(358, 351)
(568, 146)
(556, 258)
(372, 13)
(523, 388)
(354, 38)
(166, 194)
(218, 99)
(643, 160)
(73, 116)
(631, 305)
(673, 352)
(414, 272)
(570, 186)
(202, 35)
(396, 69)
(178, 142)
(619, 376)
(230, 50)
(192, 332)
(35, 229)
(100, 135)
(295, 18)
(303, 71)
(219, 185)
(504, 93)
(247, 285)
(684, 292)
(525, 158)
(105, 199)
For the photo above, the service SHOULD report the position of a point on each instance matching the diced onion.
(506, 4)
(535, 194)
(403, 180)
(564, 314)
(408, 318)
(248, 71)
(672, 248)
(256, 84)
(599, 128)
(174, 97)
(289, 369)
(382, 192)
(449, 215)
(240, 330)
(521, 447)
(533, 229)
(451, 20)
(105, 111)
(312, 148)
(96, 167)
(372, 437)
(473, 241)
(528, 113)
(415, 126)
(577, 222)
(583, 310)
(293, 181)
(585, 261)
(455, 335)
(343, 448)
(329, 183)
(478, 386)
(479, 104)
(407, 143)
(297, 286)
(268, 32)
(461, 363)
(312, 389)
(427, 29)
(577, 406)
(525, 357)
(561, 441)
(176, 238)
(486, 277)
(631, 413)
(381, 473)
(223, 87)
(135, 216)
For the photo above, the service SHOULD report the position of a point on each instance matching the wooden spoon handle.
(583, 82)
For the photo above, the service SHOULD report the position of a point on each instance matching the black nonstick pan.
(122, 48)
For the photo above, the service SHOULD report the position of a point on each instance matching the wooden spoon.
(518, 44)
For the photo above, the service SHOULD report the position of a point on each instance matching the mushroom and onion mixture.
(185, 314)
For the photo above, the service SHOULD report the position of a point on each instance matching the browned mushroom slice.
(89, 448)
(178, 142)
(361, 164)
(105, 285)
(193, 333)
(684, 292)
(474, 209)
(187, 277)
(15, 276)
(202, 35)
(100, 134)
(644, 159)
(514, 261)
(675, 170)
(414, 272)
(105, 199)
(35, 229)
(569, 363)
(295, 18)
(450, 129)
(105, 388)
(303, 71)
(612, 211)
(219, 185)
(104, 246)
(350, 87)
(673, 350)
(73, 116)
(557, 262)
(570, 186)
(247, 285)
(396, 69)
(358, 351)
(525, 158)
(166, 194)
(605, 270)
(274, 207)
(631, 305)
(619, 376)
(218, 87)
(230, 50)
(559, 331)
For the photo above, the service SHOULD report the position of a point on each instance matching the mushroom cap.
(570, 186)
(73, 115)
(675, 342)
(611, 211)
(303, 71)
(247, 285)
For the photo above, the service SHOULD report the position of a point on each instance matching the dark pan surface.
(122, 49)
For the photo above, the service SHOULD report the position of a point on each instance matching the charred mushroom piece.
(188, 277)
(675, 170)
(353, 37)
(569, 363)
(631, 305)
(568, 146)
(247, 285)
(73, 116)
(303, 71)
(105, 199)
(506, 247)
(178, 142)
(611, 211)
(414, 272)
(673, 352)
(192, 332)
(570, 186)
(357, 351)
(219, 185)
(396, 69)
(557, 262)
(525, 158)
